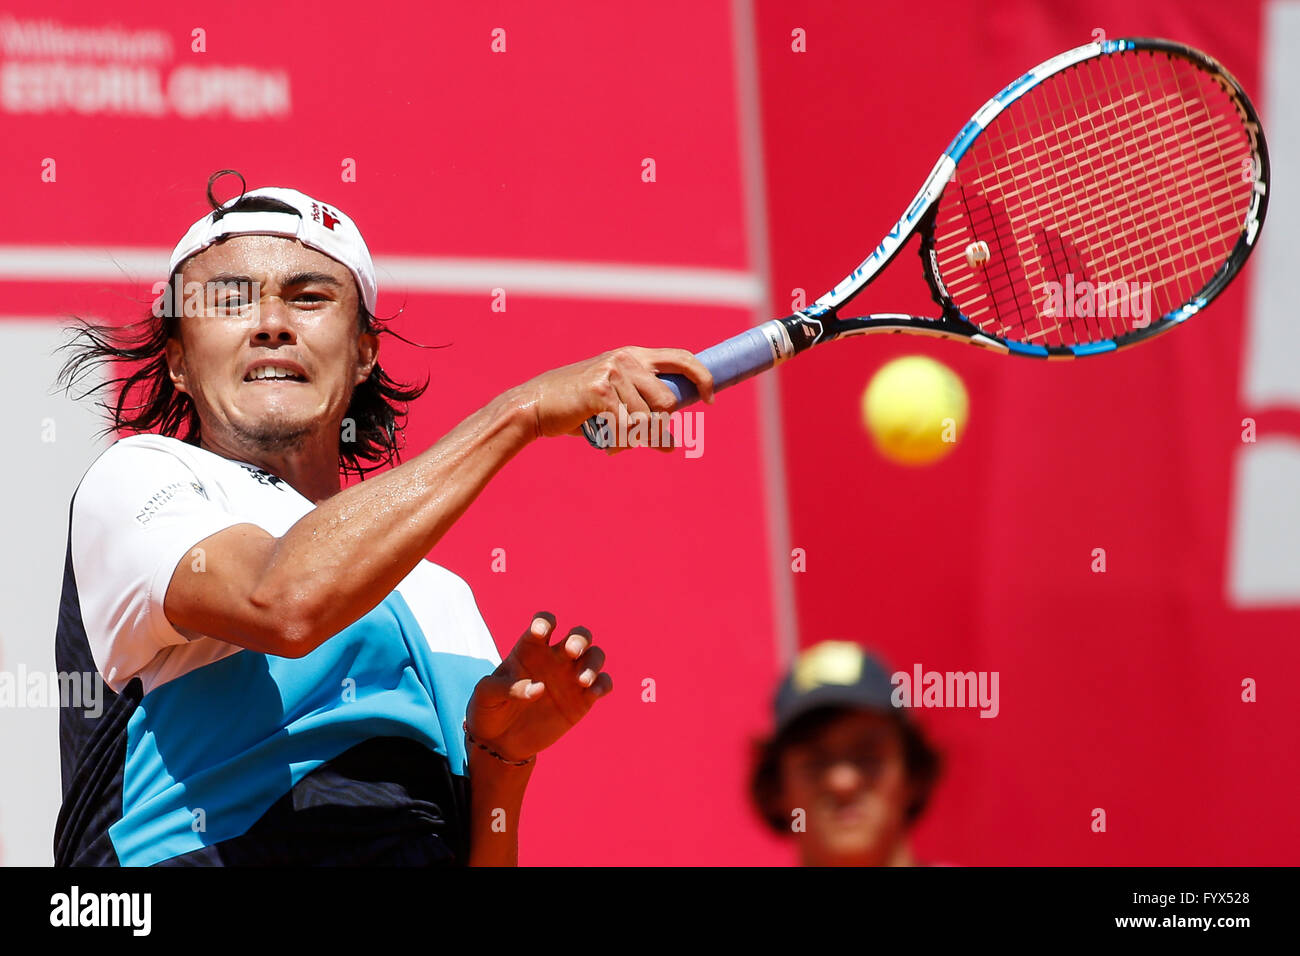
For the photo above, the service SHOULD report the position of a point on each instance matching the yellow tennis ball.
(915, 409)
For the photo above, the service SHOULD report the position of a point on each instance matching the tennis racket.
(1103, 198)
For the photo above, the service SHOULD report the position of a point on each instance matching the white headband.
(323, 228)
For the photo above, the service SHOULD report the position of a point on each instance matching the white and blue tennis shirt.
(209, 753)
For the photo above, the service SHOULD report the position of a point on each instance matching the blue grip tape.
(738, 358)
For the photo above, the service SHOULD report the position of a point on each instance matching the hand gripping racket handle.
(738, 358)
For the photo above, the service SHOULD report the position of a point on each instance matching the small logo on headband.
(329, 220)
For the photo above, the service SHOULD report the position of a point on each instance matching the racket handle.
(738, 358)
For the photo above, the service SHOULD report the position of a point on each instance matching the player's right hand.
(563, 398)
(538, 692)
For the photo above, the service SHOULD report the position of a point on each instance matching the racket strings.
(1156, 174)
(1199, 135)
(1161, 203)
(1210, 193)
(1108, 195)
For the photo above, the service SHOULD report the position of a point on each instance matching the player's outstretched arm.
(287, 595)
(537, 694)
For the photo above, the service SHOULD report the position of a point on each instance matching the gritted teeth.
(272, 371)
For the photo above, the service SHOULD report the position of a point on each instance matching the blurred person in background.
(845, 772)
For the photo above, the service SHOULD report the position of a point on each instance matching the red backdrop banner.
(475, 170)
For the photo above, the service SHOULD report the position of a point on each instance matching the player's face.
(269, 300)
(851, 780)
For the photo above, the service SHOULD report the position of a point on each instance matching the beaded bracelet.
(505, 760)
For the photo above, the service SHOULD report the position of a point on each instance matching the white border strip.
(785, 623)
(567, 280)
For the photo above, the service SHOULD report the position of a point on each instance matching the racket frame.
(820, 322)
(778, 340)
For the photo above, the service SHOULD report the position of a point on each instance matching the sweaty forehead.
(263, 258)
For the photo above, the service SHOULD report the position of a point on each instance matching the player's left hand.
(539, 691)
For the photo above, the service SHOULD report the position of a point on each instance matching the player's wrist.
(520, 407)
(492, 777)
(495, 750)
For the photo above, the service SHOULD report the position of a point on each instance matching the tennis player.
(292, 682)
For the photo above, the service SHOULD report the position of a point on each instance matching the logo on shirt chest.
(265, 477)
(159, 499)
